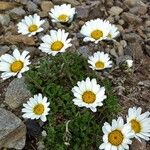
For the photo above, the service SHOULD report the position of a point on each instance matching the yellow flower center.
(115, 137)
(135, 125)
(88, 97)
(16, 66)
(33, 28)
(57, 46)
(97, 34)
(110, 36)
(38, 109)
(63, 18)
(100, 65)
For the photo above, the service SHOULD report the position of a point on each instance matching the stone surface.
(84, 50)
(132, 37)
(4, 49)
(131, 18)
(12, 131)
(147, 49)
(32, 7)
(4, 19)
(82, 11)
(142, 9)
(89, 11)
(131, 2)
(46, 6)
(147, 23)
(17, 12)
(136, 145)
(115, 10)
(7, 5)
(16, 39)
(137, 51)
(16, 93)
(72, 2)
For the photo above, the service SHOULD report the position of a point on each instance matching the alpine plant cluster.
(87, 93)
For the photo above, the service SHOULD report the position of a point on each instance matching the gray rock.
(132, 37)
(131, 18)
(137, 51)
(17, 12)
(95, 6)
(12, 131)
(137, 145)
(4, 19)
(84, 50)
(46, 6)
(147, 49)
(115, 10)
(4, 49)
(143, 9)
(131, 2)
(16, 93)
(72, 2)
(120, 48)
(37, 1)
(113, 53)
(90, 10)
(145, 83)
(82, 11)
(121, 21)
(32, 7)
(22, 1)
(147, 23)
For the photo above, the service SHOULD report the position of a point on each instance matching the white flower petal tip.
(15, 64)
(100, 61)
(97, 30)
(129, 63)
(116, 136)
(56, 42)
(36, 108)
(88, 94)
(140, 123)
(30, 25)
(62, 13)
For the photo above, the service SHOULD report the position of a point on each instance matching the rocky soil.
(132, 17)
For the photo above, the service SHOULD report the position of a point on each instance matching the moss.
(55, 77)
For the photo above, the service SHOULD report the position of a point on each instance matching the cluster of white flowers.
(88, 93)
(118, 135)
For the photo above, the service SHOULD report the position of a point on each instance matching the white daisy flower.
(36, 108)
(113, 33)
(95, 30)
(116, 136)
(30, 25)
(55, 42)
(14, 65)
(140, 123)
(88, 94)
(129, 63)
(62, 13)
(100, 61)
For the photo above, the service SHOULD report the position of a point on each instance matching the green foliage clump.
(70, 127)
